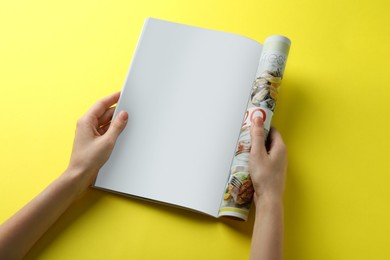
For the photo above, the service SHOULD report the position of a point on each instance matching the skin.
(95, 138)
(267, 170)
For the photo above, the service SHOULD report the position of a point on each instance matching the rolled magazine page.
(239, 189)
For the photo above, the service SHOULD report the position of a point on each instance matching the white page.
(186, 94)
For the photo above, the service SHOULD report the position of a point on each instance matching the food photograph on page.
(239, 190)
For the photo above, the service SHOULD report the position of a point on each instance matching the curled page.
(239, 190)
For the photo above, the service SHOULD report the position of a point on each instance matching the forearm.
(267, 240)
(19, 233)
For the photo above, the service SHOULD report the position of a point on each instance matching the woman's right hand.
(267, 168)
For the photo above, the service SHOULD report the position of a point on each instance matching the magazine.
(191, 94)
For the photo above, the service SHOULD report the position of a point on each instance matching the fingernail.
(258, 121)
(123, 115)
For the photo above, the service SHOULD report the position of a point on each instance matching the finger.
(258, 137)
(277, 145)
(117, 125)
(102, 130)
(98, 109)
(106, 117)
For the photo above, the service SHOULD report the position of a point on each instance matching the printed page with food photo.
(239, 191)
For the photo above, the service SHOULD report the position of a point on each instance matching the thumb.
(258, 137)
(117, 125)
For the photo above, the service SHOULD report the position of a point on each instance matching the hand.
(95, 137)
(267, 168)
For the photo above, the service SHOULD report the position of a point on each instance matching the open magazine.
(191, 95)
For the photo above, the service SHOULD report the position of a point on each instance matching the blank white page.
(186, 93)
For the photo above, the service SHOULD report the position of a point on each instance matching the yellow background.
(58, 57)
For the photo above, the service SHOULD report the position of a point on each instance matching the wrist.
(268, 201)
(81, 179)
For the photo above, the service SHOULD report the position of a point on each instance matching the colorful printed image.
(265, 90)
(239, 189)
(244, 146)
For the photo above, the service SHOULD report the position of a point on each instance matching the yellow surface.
(58, 57)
